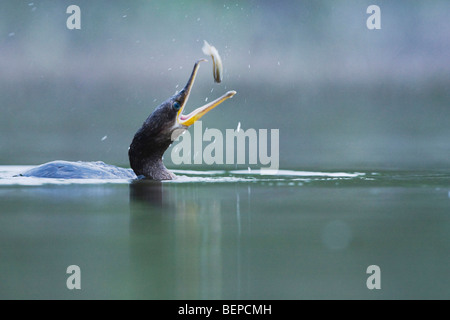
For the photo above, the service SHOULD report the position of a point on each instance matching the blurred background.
(342, 96)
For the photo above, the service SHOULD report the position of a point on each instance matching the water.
(227, 235)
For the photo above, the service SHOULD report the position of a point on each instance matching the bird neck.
(155, 169)
(151, 168)
(145, 157)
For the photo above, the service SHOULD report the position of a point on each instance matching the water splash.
(10, 176)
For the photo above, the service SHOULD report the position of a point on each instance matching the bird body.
(60, 169)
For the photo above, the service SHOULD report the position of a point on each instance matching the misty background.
(342, 96)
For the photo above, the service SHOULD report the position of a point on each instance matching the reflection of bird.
(150, 142)
(162, 127)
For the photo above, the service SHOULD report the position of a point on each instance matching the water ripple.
(9, 176)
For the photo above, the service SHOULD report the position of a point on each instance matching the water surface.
(227, 235)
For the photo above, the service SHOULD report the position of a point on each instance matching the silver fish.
(209, 50)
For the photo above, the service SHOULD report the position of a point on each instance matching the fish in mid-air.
(210, 50)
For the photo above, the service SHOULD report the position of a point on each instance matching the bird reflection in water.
(176, 250)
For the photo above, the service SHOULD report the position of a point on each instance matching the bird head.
(165, 124)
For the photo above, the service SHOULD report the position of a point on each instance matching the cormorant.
(150, 142)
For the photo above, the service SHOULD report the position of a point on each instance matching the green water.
(228, 235)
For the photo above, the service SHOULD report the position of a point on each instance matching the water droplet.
(104, 138)
(238, 127)
(206, 99)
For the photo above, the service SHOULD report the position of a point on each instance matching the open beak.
(187, 120)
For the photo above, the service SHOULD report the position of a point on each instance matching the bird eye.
(176, 105)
